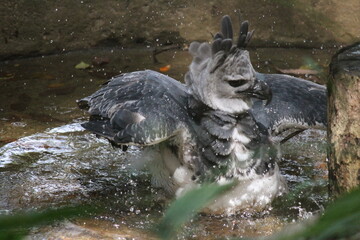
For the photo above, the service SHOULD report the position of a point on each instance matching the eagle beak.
(261, 91)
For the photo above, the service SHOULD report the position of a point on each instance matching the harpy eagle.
(201, 131)
(296, 104)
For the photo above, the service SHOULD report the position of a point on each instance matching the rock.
(31, 28)
(344, 120)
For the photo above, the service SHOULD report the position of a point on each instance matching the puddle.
(48, 160)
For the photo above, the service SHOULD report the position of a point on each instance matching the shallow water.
(48, 160)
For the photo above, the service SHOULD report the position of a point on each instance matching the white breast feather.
(230, 105)
(250, 195)
(240, 137)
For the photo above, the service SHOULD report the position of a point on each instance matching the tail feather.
(102, 128)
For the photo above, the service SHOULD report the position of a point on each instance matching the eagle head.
(221, 74)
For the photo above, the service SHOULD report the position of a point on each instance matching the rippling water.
(48, 160)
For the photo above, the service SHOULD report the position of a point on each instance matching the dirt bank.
(43, 27)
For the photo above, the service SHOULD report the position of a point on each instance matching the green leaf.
(341, 219)
(185, 207)
(82, 65)
(16, 226)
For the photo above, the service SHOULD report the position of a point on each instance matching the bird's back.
(296, 104)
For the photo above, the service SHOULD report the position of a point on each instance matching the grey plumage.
(296, 104)
(243, 35)
(204, 129)
(226, 27)
(137, 108)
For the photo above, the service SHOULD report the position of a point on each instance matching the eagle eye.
(237, 83)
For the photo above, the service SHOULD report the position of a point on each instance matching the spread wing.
(143, 107)
(296, 104)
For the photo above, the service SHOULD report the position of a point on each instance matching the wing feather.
(143, 107)
(296, 104)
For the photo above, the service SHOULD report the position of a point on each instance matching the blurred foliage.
(340, 220)
(186, 207)
(18, 225)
